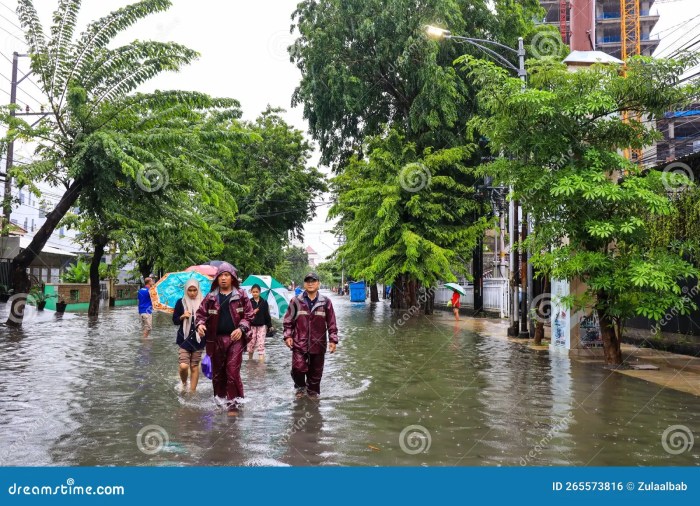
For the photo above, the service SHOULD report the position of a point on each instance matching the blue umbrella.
(171, 288)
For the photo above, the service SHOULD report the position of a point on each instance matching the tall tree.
(368, 64)
(280, 192)
(88, 87)
(593, 210)
(407, 216)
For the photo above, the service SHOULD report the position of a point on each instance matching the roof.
(590, 57)
(24, 243)
(310, 251)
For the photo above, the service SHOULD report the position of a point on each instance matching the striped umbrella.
(272, 291)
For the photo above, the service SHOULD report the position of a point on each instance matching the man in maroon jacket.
(309, 318)
(224, 316)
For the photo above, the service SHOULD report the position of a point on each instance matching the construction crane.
(563, 4)
(631, 37)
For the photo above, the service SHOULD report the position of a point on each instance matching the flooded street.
(81, 393)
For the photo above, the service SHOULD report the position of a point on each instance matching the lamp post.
(516, 304)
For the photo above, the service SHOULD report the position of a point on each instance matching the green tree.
(294, 266)
(88, 85)
(367, 65)
(281, 192)
(562, 138)
(407, 216)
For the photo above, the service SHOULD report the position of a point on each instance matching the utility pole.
(7, 198)
(524, 281)
(478, 273)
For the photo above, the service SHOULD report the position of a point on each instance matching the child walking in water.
(455, 305)
(260, 324)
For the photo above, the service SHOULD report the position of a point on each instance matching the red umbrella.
(207, 270)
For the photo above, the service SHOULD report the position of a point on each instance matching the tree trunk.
(145, 268)
(539, 326)
(20, 264)
(403, 293)
(611, 341)
(373, 293)
(99, 243)
(429, 295)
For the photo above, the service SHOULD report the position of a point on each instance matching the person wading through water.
(190, 343)
(225, 316)
(309, 318)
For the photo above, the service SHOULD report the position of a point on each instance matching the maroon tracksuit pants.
(307, 372)
(226, 361)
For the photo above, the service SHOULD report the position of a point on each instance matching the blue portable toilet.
(358, 292)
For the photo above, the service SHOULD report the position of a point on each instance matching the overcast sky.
(244, 55)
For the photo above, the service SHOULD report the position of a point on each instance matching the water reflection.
(80, 391)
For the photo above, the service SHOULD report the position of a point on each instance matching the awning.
(24, 243)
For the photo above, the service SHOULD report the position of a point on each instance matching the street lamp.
(438, 33)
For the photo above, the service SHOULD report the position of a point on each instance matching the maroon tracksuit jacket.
(308, 327)
(226, 354)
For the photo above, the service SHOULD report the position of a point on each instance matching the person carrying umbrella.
(455, 301)
(309, 318)
(455, 305)
(225, 316)
(189, 342)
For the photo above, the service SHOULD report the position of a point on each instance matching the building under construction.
(586, 25)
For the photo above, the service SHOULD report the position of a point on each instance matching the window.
(75, 296)
(26, 220)
(62, 232)
(120, 294)
(42, 212)
(32, 224)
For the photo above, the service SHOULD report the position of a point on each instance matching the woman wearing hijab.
(190, 343)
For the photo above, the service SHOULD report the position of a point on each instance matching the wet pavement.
(426, 392)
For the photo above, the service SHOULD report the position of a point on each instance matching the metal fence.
(496, 296)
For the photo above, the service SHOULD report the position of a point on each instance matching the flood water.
(94, 393)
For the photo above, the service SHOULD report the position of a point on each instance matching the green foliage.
(79, 272)
(367, 65)
(562, 139)
(405, 212)
(293, 267)
(280, 192)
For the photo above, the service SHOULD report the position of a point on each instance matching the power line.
(13, 35)
(669, 46)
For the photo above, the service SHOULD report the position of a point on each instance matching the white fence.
(496, 296)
